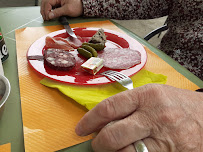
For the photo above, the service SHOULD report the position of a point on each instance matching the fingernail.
(51, 15)
(78, 130)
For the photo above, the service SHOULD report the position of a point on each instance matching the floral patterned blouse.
(184, 38)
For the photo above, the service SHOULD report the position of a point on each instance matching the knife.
(63, 20)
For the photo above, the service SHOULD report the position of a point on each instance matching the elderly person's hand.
(165, 118)
(71, 8)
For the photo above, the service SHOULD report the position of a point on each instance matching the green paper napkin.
(90, 96)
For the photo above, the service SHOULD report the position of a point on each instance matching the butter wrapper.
(93, 65)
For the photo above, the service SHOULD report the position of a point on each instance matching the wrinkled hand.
(167, 119)
(72, 8)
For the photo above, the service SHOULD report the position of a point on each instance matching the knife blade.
(63, 20)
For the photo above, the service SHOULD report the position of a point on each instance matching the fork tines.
(114, 75)
(124, 80)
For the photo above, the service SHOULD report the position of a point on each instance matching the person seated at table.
(162, 117)
(183, 40)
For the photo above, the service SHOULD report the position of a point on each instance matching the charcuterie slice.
(58, 59)
(120, 58)
(63, 43)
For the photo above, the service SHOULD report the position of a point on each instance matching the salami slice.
(58, 59)
(120, 58)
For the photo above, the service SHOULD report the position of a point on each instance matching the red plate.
(77, 75)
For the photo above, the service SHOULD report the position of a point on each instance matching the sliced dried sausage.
(120, 58)
(58, 59)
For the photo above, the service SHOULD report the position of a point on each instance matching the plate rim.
(107, 81)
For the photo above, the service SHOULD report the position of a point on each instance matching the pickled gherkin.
(90, 49)
(84, 53)
(96, 46)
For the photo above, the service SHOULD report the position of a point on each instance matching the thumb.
(56, 13)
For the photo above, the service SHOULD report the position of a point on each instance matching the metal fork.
(124, 80)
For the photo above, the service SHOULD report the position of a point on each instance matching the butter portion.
(93, 65)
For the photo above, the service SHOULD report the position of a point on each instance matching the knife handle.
(63, 20)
